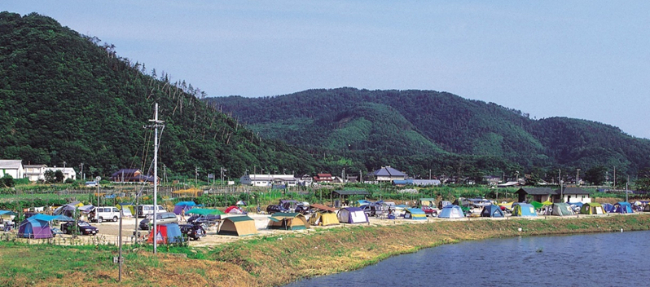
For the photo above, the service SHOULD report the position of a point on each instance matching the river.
(604, 259)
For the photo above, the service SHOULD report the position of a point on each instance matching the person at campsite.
(183, 215)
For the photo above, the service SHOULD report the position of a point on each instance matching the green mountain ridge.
(429, 124)
(67, 100)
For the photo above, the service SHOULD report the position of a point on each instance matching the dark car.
(161, 218)
(193, 231)
(84, 228)
(285, 205)
(208, 220)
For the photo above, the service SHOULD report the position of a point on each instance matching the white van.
(103, 213)
(144, 210)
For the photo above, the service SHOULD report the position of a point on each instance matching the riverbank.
(279, 259)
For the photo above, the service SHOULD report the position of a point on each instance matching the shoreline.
(277, 259)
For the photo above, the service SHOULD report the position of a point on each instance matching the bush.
(8, 180)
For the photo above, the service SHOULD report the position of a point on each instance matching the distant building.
(388, 174)
(268, 179)
(13, 167)
(68, 172)
(35, 172)
(323, 177)
(567, 194)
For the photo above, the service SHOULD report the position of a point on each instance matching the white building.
(268, 179)
(13, 167)
(35, 172)
(68, 172)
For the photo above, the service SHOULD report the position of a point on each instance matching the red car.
(430, 211)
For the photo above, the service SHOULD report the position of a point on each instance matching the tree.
(58, 176)
(8, 180)
(596, 175)
(49, 176)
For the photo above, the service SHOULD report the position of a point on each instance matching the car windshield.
(83, 223)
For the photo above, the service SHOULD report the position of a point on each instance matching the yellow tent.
(323, 219)
(288, 221)
(195, 192)
(238, 225)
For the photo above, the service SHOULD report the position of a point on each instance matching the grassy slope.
(276, 260)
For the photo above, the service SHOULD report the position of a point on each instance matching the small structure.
(592, 208)
(352, 215)
(524, 209)
(537, 193)
(388, 174)
(415, 214)
(287, 221)
(238, 226)
(561, 209)
(12, 167)
(344, 194)
(323, 177)
(267, 180)
(166, 234)
(491, 211)
(35, 172)
(451, 211)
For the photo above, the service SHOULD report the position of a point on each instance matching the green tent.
(536, 204)
(202, 211)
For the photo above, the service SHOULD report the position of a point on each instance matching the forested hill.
(66, 99)
(429, 123)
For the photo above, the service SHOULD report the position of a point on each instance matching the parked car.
(84, 228)
(430, 211)
(193, 231)
(102, 213)
(161, 218)
(144, 210)
(285, 205)
(208, 220)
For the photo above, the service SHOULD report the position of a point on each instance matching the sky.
(579, 59)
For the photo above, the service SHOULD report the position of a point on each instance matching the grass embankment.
(274, 260)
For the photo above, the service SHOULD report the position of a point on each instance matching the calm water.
(608, 259)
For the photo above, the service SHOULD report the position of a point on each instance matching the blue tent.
(183, 205)
(166, 234)
(451, 211)
(38, 226)
(8, 212)
(622, 207)
(524, 209)
(491, 211)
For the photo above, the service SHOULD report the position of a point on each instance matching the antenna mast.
(156, 124)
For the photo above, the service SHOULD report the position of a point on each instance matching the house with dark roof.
(388, 174)
(567, 194)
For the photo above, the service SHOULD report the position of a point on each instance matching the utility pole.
(196, 175)
(614, 177)
(628, 180)
(560, 182)
(429, 174)
(577, 177)
(156, 124)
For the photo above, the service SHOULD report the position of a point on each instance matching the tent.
(592, 208)
(428, 202)
(415, 214)
(204, 211)
(183, 205)
(561, 209)
(524, 209)
(443, 203)
(166, 234)
(128, 209)
(451, 211)
(323, 218)
(608, 207)
(536, 204)
(352, 215)
(507, 205)
(287, 221)
(38, 226)
(238, 225)
(646, 208)
(622, 207)
(492, 211)
(235, 210)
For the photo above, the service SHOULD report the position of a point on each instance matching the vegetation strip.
(272, 260)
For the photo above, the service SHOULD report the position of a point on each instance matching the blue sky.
(578, 59)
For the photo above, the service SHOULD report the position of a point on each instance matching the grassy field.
(270, 260)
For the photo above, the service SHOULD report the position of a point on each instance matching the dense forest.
(67, 99)
(422, 130)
